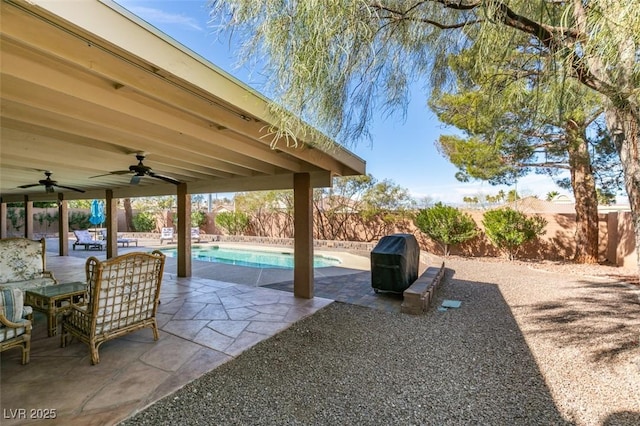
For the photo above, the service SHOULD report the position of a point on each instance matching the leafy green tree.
(523, 131)
(551, 195)
(198, 218)
(337, 209)
(235, 223)
(472, 201)
(446, 225)
(605, 198)
(269, 212)
(79, 220)
(155, 206)
(386, 205)
(144, 222)
(79, 204)
(335, 63)
(509, 229)
(360, 207)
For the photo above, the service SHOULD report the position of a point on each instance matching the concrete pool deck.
(350, 263)
(349, 283)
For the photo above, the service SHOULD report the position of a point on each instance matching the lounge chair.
(166, 235)
(195, 235)
(120, 240)
(84, 238)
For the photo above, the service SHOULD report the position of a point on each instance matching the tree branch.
(397, 15)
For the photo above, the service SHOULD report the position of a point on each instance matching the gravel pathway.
(532, 344)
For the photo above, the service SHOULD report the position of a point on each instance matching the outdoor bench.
(417, 297)
(23, 264)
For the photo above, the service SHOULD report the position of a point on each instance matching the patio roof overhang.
(86, 85)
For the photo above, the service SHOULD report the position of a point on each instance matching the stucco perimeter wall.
(621, 239)
(616, 239)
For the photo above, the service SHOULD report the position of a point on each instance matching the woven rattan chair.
(15, 322)
(122, 297)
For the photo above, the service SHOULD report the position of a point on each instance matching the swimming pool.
(251, 258)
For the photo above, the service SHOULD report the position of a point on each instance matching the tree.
(235, 223)
(128, 214)
(144, 222)
(605, 198)
(335, 62)
(551, 195)
(523, 131)
(337, 208)
(509, 229)
(446, 225)
(385, 206)
(269, 212)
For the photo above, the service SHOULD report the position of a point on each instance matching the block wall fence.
(617, 238)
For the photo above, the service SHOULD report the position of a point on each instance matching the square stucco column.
(28, 218)
(112, 224)
(3, 220)
(184, 231)
(303, 236)
(63, 226)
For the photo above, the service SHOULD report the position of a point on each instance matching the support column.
(111, 210)
(3, 220)
(28, 218)
(63, 226)
(184, 231)
(303, 236)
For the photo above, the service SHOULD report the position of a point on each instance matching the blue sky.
(402, 149)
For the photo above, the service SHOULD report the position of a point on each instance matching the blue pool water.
(251, 258)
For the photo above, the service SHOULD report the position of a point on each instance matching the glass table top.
(59, 289)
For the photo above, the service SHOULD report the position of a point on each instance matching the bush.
(235, 223)
(144, 222)
(508, 229)
(446, 225)
(79, 220)
(198, 219)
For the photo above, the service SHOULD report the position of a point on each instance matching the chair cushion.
(11, 303)
(20, 259)
(9, 333)
(29, 284)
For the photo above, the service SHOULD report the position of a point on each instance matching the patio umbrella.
(97, 217)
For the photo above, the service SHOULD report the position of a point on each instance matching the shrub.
(198, 219)
(79, 220)
(235, 223)
(16, 217)
(144, 222)
(446, 225)
(508, 229)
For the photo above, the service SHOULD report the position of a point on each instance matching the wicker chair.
(122, 297)
(15, 322)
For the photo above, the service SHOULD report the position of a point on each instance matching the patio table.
(53, 300)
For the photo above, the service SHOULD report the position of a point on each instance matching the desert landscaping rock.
(531, 344)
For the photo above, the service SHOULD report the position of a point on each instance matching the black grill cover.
(394, 262)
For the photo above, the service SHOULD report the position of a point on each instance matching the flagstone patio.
(203, 324)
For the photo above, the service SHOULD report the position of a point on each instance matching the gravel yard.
(532, 343)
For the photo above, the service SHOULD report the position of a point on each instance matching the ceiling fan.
(140, 170)
(49, 184)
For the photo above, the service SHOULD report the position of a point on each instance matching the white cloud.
(157, 16)
(453, 193)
